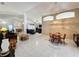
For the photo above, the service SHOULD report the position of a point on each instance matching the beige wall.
(68, 26)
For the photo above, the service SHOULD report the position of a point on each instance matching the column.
(25, 23)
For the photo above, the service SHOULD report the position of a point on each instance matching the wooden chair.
(13, 41)
(63, 38)
(76, 39)
(56, 38)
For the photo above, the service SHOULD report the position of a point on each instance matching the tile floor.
(39, 46)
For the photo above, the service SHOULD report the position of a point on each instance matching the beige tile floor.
(39, 46)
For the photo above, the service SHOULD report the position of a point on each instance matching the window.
(65, 15)
(48, 18)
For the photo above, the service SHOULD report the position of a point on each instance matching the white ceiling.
(34, 10)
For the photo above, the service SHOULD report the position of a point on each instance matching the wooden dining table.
(57, 37)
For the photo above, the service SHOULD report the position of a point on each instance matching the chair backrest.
(74, 35)
(13, 41)
(64, 36)
(12, 44)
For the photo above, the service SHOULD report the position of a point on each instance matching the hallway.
(39, 46)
